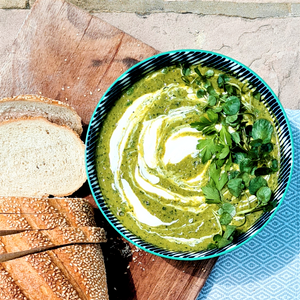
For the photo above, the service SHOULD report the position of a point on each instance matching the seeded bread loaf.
(39, 106)
(24, 213)
(33, 241)
(71, 272)
(39, 158)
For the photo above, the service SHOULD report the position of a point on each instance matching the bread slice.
(39, 106)
(18, 214)
(72, 272)
(29, 242)
(78, 211)
(39, 158)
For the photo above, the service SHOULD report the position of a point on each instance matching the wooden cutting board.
(67, 54)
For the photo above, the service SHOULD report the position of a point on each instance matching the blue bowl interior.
(208, 59)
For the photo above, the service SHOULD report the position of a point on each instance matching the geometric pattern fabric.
(266, 267)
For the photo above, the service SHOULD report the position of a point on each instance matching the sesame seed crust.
(9, 290)
(22, 213)
(29, 242)
(85, 264)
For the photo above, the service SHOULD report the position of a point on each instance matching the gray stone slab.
(269, 46)
(242, 8)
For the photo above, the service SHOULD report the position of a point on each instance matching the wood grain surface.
(64, 53)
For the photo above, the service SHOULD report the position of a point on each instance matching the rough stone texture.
(10, 23)
(242, 8)
(269, 46)
(13, 4)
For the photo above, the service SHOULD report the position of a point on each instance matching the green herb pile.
(236, 143)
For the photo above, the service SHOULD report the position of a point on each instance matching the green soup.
(155, 170)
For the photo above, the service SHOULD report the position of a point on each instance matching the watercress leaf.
(198, 73)
(262, 129)
(212, 91)
(235, 137)
(211, 193)
(200, 93)
(222, 79)
(209, 73)
(207, 83)
(274, 165)
(266, 148)
(212, 100)
(225, 218)
(230, 229)
(246, 165)
(256, 183)
(233, 175)
(225, 137)
(235, 186)
(218, 109)
(238, 157)
(263, 171)
(231, 119)
(264, 195)
(229, 89)
(225, 151)
(246, 179)
(186, 71)
(256, 143)
(231, 106)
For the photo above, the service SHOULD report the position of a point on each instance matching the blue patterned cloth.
(266, 267)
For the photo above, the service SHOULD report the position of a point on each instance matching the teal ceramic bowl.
(221, 63)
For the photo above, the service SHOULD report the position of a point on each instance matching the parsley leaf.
(212, 195)
(207, 149)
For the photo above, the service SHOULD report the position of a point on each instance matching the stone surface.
(243, 8)
(10, 23)
(13, 4)
(269, 46)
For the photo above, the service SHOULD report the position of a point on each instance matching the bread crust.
(24, 213)
(38, 99)
(33, 241)
(72, 272)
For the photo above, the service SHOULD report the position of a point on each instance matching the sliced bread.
(29, 242)
(39, 158)
(38, 106)
(72, 272)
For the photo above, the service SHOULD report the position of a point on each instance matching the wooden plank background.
(64, 53)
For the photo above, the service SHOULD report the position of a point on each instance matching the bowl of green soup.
(189, 154)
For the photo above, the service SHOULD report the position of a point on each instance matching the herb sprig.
(233, 136)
